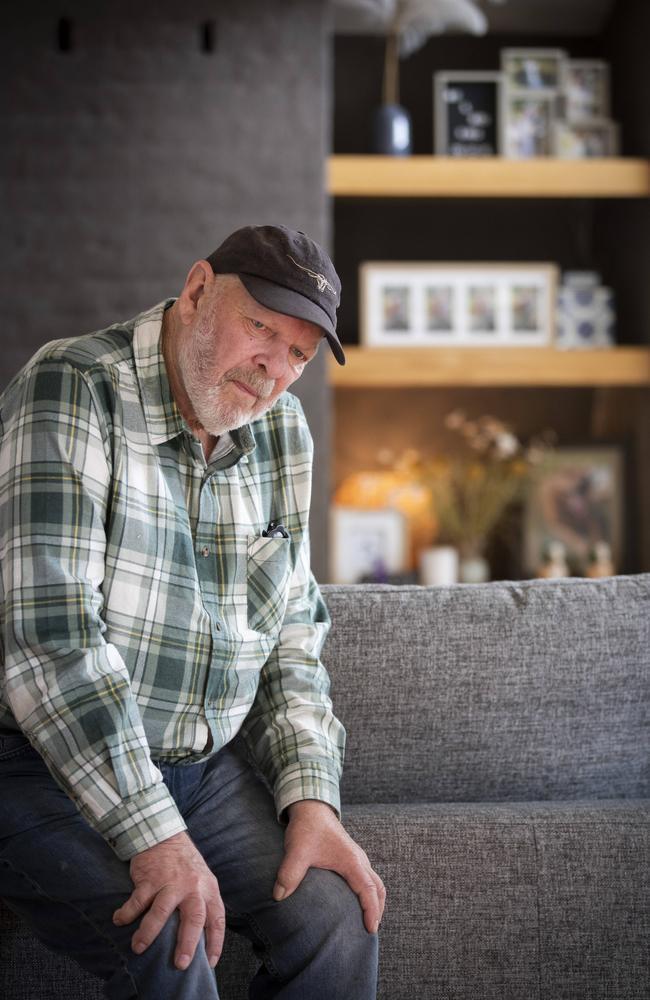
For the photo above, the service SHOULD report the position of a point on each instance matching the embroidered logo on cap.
(320, 279)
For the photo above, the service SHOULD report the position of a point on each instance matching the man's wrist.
(306, 806)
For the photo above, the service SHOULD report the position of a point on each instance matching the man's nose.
(274, 359)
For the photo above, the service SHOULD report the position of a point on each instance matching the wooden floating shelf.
(395, 367)
(486, 177)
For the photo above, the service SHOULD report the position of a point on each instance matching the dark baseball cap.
(284, 270)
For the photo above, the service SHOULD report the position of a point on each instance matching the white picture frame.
(585, 138)
(529, 119)
(366, 542)
(585, 87)
(480, 130)
(533, 69)
(462, 304)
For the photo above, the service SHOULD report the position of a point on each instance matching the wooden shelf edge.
(486, 177)
(390, 367)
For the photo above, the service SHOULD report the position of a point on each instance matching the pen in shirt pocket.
(275, 529)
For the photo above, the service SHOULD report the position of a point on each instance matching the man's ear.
(199, 279)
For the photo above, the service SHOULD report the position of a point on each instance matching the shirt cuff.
(141, 821)
(307, 780)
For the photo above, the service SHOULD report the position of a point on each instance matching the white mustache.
(262, 387)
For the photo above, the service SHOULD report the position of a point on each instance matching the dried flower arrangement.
(472, 491)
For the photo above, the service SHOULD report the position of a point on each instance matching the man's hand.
(173, 875)
(316, 839)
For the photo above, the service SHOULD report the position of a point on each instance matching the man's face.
(237, 357)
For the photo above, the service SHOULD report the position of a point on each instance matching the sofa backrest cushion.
(501, 691)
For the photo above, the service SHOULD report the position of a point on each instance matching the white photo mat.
(472, 304)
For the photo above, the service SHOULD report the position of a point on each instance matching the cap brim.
(290, 303)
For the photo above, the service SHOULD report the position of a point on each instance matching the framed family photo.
(585, 87)
(366, 542)
(438, 304)
(528, 124)
(577, 140)
(577, 499)
(533, 69)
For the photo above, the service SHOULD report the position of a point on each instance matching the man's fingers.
(155, 919)
(215, 929)
(192, 911)
(136, 904)
(365, 883)
(381, 894)
(290, 874)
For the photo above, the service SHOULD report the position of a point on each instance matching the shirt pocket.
(269, 571)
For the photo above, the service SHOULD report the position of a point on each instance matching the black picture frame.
(468, 115)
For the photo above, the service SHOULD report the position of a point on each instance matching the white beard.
(214, 403)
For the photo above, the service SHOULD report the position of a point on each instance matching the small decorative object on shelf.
(473, 566)
(554, 564)
(586, 315)
(600, 561)
(408, 25)
(391, 131)
(438, 565)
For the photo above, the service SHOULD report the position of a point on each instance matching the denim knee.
(153, 975)
(323, 915)
(315, 944)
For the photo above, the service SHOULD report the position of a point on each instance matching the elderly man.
(169, 758)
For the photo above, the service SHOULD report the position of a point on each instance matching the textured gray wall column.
(134, 152)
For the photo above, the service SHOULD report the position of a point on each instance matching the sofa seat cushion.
(512, 901)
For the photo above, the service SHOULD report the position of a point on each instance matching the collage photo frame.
(443, 304)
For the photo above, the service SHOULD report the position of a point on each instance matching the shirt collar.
(163, 417)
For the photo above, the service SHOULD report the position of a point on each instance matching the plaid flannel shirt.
(144, 616)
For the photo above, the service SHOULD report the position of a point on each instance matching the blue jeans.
(65, 881)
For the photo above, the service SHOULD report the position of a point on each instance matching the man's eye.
(257, 324)
(297, 353)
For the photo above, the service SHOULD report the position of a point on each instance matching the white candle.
(438, 566)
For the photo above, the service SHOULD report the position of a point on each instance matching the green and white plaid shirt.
(144, 615)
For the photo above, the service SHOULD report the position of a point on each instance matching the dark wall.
(129, 151)
(623, 230)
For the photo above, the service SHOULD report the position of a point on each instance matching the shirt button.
(205, 551)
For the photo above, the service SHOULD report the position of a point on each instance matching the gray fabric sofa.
(498, 774)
